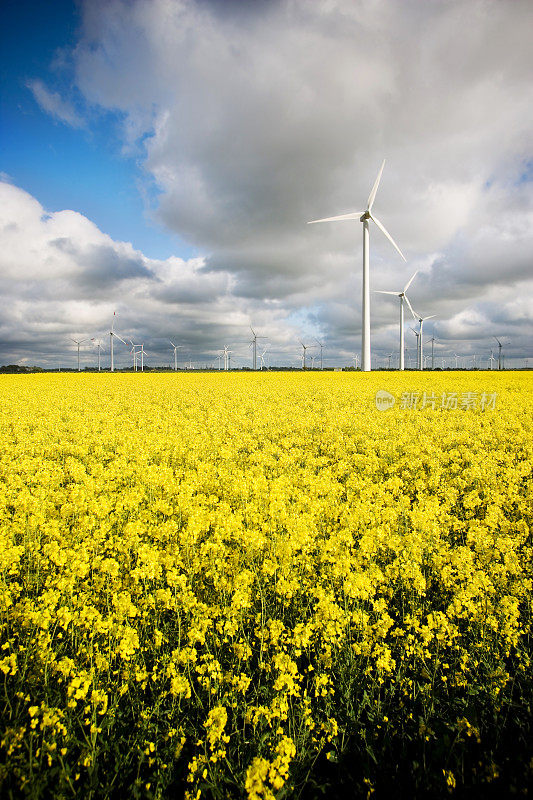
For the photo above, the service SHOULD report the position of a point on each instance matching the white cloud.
(52, 103)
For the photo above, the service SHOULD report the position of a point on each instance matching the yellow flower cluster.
(231, 584)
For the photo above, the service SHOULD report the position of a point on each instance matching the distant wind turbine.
(254, 344)
(421, 321)
(113, 335)
(78, 343)
(226, 358)
(364, 217)
(98, 344)
(176, 348)
(402, 295)
(416, 333)
(321, 347)
(500, 345)
(305, 346)
(262, 358)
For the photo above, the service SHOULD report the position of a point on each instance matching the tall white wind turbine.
(320, 344)
(305, 346)
(262, 358)
(113, 335)
(98, 344)
(420, 341)
(500, 345)
(176, 347)
(364, 217)
(254, 345)
(226, 358)
(81, 341)
(401, 295)
(417, 334)
(134, 353)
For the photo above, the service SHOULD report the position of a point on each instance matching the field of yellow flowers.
(262, 586)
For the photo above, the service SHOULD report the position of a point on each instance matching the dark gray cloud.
(100, 265)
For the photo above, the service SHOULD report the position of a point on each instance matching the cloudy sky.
(160, 159)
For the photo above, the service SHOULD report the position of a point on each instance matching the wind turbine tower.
(176, 348)
(78, 343)
(113, 335)
(226, 358)
(416, 333)
(321, 347)
(364, 217)
(421, 321)
(254, 343)
(499, 352)
(99, 346)
(304, 354)
(402, 295)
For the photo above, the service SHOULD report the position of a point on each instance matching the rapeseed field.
(263, 586)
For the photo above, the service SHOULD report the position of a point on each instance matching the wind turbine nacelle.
(366, 215)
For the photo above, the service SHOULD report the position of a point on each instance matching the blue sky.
(65, 167)
(161, 158)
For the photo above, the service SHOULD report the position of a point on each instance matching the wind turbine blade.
(372, 195)
(409, 282)
(121, 339)
(380, 291)
(387, 234)
(410, 307)
(353, 215)
(430, 317)
(172, 343)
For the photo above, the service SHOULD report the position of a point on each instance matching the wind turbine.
(99, 346)
(262, 358)
(305, 346)
(113, 335)
(421, 321)
(417, 334)
(402, 295)
(254, 343)
(176, 348)
(226, 357)
(432, 353)
(133, 351)
(321, 347)
(78, 343)
(499, 352)
(364, 217)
